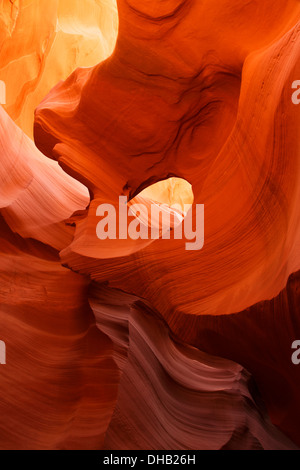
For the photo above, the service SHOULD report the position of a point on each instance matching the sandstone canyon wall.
(142, 344)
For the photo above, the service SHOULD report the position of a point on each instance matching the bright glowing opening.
(174, 192)
(165, 204)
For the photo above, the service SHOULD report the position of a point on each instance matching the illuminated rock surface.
(105, 340)
(42, 42)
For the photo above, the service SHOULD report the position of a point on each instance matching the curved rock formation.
(208, 118)
(59, 385)
(106, 339)
(173, 396)
(42, 42)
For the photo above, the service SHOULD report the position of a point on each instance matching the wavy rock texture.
(173, 396)
(36, 195)
(59, 387)
(42, 42)
(260, 339)
(111, 354)
(193, 116)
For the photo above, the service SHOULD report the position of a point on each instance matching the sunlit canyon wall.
(143, 344)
